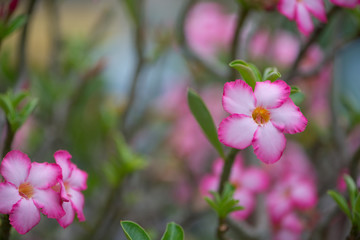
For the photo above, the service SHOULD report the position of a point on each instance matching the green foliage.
(133, 231)
(296, 95)
(124, 163)
(7, 28)
(204, 119)
(351, 209)
(272, 74)
(249, 73)
(225, 203)
(173, 232)
(16, 115)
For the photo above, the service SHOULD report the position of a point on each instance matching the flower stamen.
(261, 115)
(26, 190)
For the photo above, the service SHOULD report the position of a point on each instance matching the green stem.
(5, 226)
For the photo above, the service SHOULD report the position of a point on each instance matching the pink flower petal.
(255, 179)
(78, 179)
(285, 234)
(44, 175)
(238, 97)
(15, 167)
(63, 194)
(271, 94)
(62, 158)
(209, 183)
(317, 8)
(68, 218)
(237, 131)
(288, 118)
(287, 8)
(49, 201)
(303, 195)
(246, 200)
(269, 143)
(278, 205)
(9, 195)
(77, 202)
(346, 3)
(292, 222)
(303, 19)
(24, 216)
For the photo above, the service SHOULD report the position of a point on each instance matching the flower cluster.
(30, 188)
(260, 118)
(248, 181)
(292, 195)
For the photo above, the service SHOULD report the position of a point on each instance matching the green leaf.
(272, 74)
(14, 24)
(352, 189)
(173, 232)
(297, 98)
(133, 231)
(17, 99)
(204, 119)
(341, 202)
(6, 105)
(256, 72)
(246, 71)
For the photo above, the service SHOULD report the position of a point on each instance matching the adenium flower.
(27, 190)
(209, 29)
(259, 118)
(299, 10)
(346, 3)
(72, 183)
(247, 182)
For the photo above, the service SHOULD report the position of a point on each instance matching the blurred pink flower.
(7, 9)
(259, 118)
(340, 183)
(247, 182)
(72, 183)
(27, 191)
(299, 10)
(209, 29)
(279, 48)
(346, 3)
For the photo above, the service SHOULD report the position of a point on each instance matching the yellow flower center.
(261, 115)
(26, 190)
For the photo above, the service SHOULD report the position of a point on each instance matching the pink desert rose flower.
(27, 190)
(299, 10)
(209, 29)
(247, 182)
(72, 183)
(346, 3)
(259, 118)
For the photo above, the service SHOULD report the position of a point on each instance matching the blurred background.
(111, 78)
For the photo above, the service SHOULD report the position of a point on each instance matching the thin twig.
(22, 66)
(235, 45)
(314, 36)
(139, 48)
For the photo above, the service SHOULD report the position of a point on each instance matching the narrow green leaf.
(133, 231)
(15, 24)
(256, 72)
(173, 232)
(271, 74)
(246, 72)
(341, 202)
(18, 98)
(297, 98)
(204, 119)
(6, 105)
(294, 89)
(352, 189)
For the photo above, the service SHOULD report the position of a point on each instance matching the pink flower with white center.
(72, 183)
(259, 118)
(346, 3)
(27, 190)
(247, 182)
(299, 10)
